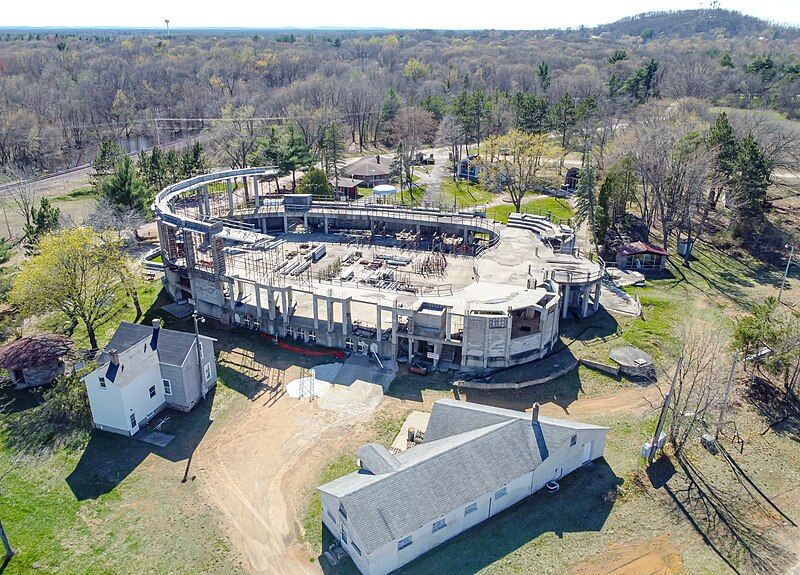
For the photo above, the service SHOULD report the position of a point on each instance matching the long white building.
(475, 462)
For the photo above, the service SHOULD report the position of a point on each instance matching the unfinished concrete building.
(453, 288)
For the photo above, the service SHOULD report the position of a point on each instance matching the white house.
(143, 370)
(475, 462)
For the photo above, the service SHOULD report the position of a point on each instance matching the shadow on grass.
(583, 503)
(599, 326)
(109, 458)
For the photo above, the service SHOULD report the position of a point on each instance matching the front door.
(587, 453)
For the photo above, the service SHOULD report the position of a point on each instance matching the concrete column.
(326, 224)
(206, 201)
(395, 327)
(448, 324)
(285, 224)
(289, 300)
(597, 295)
(345, 315)
(257, 289)
(565, 302)
(255, 192)
(437, 349)
(508, 338)
(230, 196)
(200, 203)
(410, 349)
(378, 323)
(585, 303)
(284, 306)
(232, 299)
(329, 313)
(305, 222)
(316, 312)
(271, 303)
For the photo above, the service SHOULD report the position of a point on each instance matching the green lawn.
(543, 206)
(463, 194)
(105, 502)
(77, 194)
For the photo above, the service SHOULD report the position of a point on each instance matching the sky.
(460, 14)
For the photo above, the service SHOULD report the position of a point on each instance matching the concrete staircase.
(555, 234)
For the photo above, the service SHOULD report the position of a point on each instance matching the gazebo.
(383, 191)
(35, 360)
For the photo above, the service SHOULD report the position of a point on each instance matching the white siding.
(136, 397)
(105, 403)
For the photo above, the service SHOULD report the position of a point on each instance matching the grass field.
(463, 194)
(542, 206)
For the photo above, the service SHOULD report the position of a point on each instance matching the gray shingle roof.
(172, 345)
(368, 167)
(485, 448)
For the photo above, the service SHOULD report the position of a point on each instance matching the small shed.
(641, 256)
(346, 188)
(35, 360)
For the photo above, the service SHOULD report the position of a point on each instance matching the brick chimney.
(378, 159)
(113, 356)
(535, 413)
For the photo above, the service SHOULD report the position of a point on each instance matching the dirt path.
(256, 473)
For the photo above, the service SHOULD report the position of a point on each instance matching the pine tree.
(751, 180)
(124, 189)
(586, 202)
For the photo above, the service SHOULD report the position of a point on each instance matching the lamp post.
(786, 271)
(198, 319)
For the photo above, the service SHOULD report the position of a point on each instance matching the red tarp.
(315, 353)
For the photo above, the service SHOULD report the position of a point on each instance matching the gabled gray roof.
(369, 167)
(377, 459)
(473, 451)
(172, 345)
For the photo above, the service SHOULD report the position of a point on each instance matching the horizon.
(359, 16)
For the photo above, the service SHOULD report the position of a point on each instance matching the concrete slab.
(153, 437)
(418, 420)
(178, 310)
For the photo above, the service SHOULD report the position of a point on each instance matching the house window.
(312, 337)
(470, 508)
(342, 511)
(102, 381)
(573, 440)
(497, 322)
(152, 391)
(362, 347)
(167, 387)
(440, 524)
(289, 331)
(404, 542)
(133, 420)
(500, 493)
(344, 535)
(202, 353)
(348, 343)
(354, 546)
(207, 371)
(301, 333)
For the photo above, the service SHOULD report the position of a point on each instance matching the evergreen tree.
(564, 117)
(543, 73)
(108, 155)
(296, 154)
(124, 189)
(332, 148)
(751, 180)
(44, 220)
(586, 202)
(390, 106)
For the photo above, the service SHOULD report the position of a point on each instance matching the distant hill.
(687, 23)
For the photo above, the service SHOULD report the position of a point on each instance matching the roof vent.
(535, 413)
(113, 356)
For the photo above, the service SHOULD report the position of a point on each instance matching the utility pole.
(786, 271)
(197, 320)
(664, 409)
(725, 397)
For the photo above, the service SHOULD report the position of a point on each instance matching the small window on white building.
(354, 546)
(500, 493)
(348, 343)
(289, 331)
(440, 524)
(344, 535)
(301, 333)
(207, 371)
(342, 511)
(497, 322)
(470, 508)
(312, 337)
(404, 542)
(152, 391)
(102, 381)
(167, 386)
(362, 347)
(573, 440)
(133, 420)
